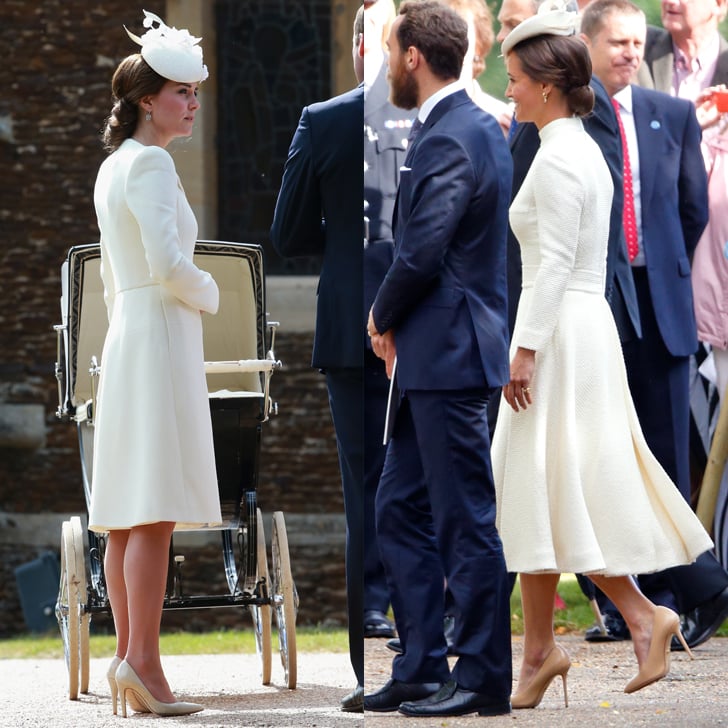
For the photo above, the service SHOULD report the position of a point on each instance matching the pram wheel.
(261, 612)
(74, 623)
(285, 598)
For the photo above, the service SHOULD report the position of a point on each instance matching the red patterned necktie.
(629, 219)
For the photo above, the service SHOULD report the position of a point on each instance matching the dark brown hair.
(438, 32)
(133, 79)
(562, 61)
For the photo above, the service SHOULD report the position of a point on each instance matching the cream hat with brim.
(173, 54)
(546, 22)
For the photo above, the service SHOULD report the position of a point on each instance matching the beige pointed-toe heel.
(665, 624)
(111, 677)
(129, 684)
(557, 662)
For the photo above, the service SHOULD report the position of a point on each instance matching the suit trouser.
(346, 391)
(660, 387)
(435, 513)
(376, 389)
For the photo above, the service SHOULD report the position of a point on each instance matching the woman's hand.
(518, 391)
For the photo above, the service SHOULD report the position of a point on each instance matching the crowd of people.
(536, 279)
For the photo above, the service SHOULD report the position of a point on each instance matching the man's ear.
(413, 58)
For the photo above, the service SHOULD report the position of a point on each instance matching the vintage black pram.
(239, 349)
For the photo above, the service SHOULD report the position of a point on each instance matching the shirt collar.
(707, 56)
(624, 96)
(430, 103)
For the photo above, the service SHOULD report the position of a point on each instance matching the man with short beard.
(442, 311)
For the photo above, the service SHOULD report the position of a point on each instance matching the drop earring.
(148, 116)
(545, 96)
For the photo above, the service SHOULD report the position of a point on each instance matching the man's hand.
(382, 344)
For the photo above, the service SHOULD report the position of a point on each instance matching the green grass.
(577, 617)
(308, 639)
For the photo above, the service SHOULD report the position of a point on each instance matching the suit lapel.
(721, 69)
(663, 64)
(648, 124)
(448, 103)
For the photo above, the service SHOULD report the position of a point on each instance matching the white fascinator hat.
(173, 54)
(553, 18)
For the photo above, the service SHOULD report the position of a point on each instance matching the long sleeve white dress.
(577, 487)
(153, 449)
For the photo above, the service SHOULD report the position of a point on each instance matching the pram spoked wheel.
(285, 598)
(72, 619)
(261, 613)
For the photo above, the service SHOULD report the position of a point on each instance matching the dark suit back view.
(323, 176)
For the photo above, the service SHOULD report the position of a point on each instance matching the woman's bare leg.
(638, 611)
(145, 574)
(116, 587)
(537, 597)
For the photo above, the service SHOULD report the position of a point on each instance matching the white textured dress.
(153, 450)
(577, 488)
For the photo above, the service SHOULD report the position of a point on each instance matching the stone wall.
(60, 55)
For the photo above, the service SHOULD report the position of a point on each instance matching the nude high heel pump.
(128, 683)
(111, 677)
(665, 624)
(557, 662)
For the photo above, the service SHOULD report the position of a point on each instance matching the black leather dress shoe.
(616, 630)
(395, 645)
(395, 692)
(376, 624)
(453, 700)
(701, 623)
(354, 701)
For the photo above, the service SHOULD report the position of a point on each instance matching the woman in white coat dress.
(154, 466)
(577, 488)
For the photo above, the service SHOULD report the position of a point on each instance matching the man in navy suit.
(671, 207)
(322, 178)
(442, 311)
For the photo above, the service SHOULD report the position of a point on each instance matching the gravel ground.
(695, 693)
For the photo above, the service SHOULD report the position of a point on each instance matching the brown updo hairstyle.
(562, 61)
(133, 80)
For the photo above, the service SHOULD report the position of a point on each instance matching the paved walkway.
(695, 694)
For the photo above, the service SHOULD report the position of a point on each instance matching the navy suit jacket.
(658, 67)
(674, 201)
(323, 177)
(602, 126)
(445, 293)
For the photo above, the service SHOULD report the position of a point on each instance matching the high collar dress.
(153, 454)
(577, 488)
